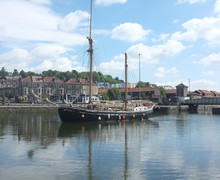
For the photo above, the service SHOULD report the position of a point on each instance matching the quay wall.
(211, 109)
(168, 109)
(27, 108)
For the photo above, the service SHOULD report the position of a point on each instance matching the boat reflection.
(101, 135)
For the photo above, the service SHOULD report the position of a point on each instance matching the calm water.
(176, 146)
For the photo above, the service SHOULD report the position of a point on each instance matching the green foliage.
(22, 74)
(15, 72)
(97, 76)
(163, 92)
(142, 84)
(3, 99)
(3, 72)
(105, 96)
(113, 93)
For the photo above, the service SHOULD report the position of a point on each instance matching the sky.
(173, 41)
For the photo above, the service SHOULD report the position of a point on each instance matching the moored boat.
(105, 111)
(82, 114)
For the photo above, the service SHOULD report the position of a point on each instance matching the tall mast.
(126, 81)
(90, 55)
(139, 76)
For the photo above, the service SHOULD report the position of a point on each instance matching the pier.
(205, 104)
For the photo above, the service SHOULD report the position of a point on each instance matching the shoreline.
(27, 108)
(213, 109)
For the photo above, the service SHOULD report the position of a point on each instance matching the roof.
(27, 79)
(204, 92)
(102, 91)
(130, 90)
(170, 91)
(41, 79)
(48, 79)
(79, 81)
(181, 85)
(144, 89)
(216, 93)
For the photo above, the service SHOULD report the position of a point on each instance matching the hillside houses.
(77, 90)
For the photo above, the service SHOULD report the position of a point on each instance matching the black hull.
(71, 114)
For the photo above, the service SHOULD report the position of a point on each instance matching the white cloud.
(27, 21)
(149, 55)
(209, 73)
(152, 54)
(130, 32)
(212, 59)
(74, 20)
(109, 2)
(41, 58)
(115, 65)
(31, 31)
(46, 51)
(203, 83)
(46, 2)
(60, 64)
(19, 58)
(161, 37)
(161, 72)
(175, 21)
(190, 1)
(206, 28)
(217, 7)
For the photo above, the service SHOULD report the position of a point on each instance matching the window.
(61, 91)
(25, 90)
(39, 91)
(48, 90)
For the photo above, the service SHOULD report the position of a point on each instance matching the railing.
(203, 101)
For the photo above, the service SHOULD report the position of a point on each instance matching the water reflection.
(174, 146)
(108, 145)
(39, 129)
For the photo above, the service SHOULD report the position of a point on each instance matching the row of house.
(77, 90)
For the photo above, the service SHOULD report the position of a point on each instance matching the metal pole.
(126, 81)
(90, 55)
(139, 76)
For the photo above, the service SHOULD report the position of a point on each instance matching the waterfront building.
(181, 90)
(51, 87)
(152, 94)
(9, 87)
(77, 90)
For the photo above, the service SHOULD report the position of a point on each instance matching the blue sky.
(178, 39)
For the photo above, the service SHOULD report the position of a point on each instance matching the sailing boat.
(105, 110)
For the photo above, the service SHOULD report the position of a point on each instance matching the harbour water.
(168, 146)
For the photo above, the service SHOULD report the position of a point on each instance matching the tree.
(142, 84)
(22, 74)
(15, 72)
(113, 93)
(163, 92)
(3, 72)
(3, 99)
(105, 96)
